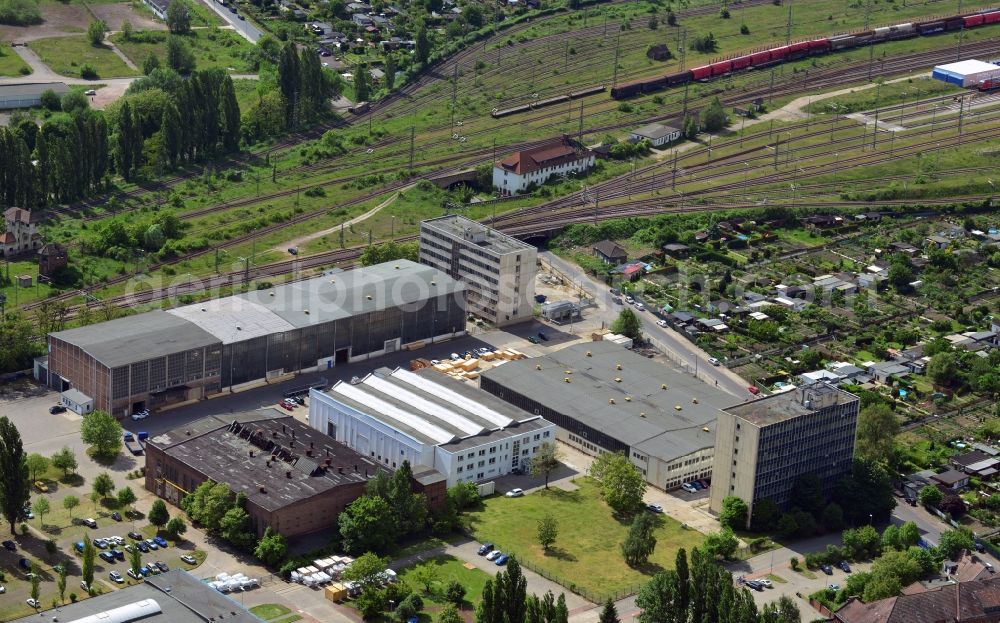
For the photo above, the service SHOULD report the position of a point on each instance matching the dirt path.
(120, 54)
(295, 243)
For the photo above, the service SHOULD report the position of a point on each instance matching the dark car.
(25, 564)
(142, 547)
(118, 554)
(162, 566)
(11, 545)
(544, 338)
(979, 546)
(116, 516)
(107, 556)
(827, 569)
(755, 585)
(57, 409)
(533, 339)
(486, 548)
(160, 541)
(135, 536)
(846, 568)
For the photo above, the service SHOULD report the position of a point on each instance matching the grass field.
(889, 94)
(212, 48)
(270, 611)
(586, 554)
(66, 55)
(10, 63)
(448, 569)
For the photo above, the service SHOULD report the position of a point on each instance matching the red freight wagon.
(818, 46)
(760, 58)
(974, 20)
(721, 68)
(779, 54)
(992, 18)
(701, 73)
(741, 62)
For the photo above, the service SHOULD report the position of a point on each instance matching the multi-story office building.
(764, 446)
(498, 271)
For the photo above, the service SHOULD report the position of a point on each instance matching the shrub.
(88, 72)
(794, 562)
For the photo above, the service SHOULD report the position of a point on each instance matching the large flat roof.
(235, 449)
(476, 233)
(135, 338)
(344, 293)
(432, 408)
(969, 66)
(787, 405)
(667, 422)
(181, 597)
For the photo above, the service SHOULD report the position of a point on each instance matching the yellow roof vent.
(705, 429)
(628, 399)
(538, 366)
(306, 312)
(396, 266)
(589, 354)
(618, 366)
(569, 372)
(611, 401)
(271, 293)
(663, 386)
(677, 408)
(642, 414)
(434, 283)
(694, 401)
(369, 297)
(566, 379)
(618, 379)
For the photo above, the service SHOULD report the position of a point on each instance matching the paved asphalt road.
(247, 30)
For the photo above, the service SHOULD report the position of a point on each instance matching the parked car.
(629, 299)
(485, 548)
(162, 566)
(116, 577)
(32, 602)
(617, 300)
(153, 545)
(846, 568)
(293, 250)
(753, 389)
(118, 554)
(640, 307)
(533, 339)
(116, 516)
(24, 563)
(285, 406)
(661, 322)
(133, 574)
(755, 585)
(146, 571)
(108, 557)
(135, 536)
(54, 409)
(501, 560)
(10, 545)
(656, 508)
(78, 546)
(827, 569)
(100, 543)
(90, 92)
(765, 582)
(833, 587)
(141, 545)
(542, 336)
(191, 560)
(90, 522)
(696, 485)
(703, 483)
(687, 486)
(140, 415)
(714, 361)
(3, 589)
(159, 540)
(494, 554)
(41, 486)
(515, 493)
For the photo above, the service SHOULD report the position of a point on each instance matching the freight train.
(990, 84)
(795, 51)
(498, 112)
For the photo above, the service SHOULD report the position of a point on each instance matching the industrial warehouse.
(604, 398)
(296, 480)
(430, 420)
(159, 358)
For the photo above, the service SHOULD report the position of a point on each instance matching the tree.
(64, 460)
(783, 610)
(609, 614)
(422, 47)
(622, 484)
(158, 514)
(943, 368)
(734, 513)
(180, 58)
(100, 430)
(627, 324)
(271, 549)
(952, 542)
(96, 31)
(88, 560)
(449, 614)
(126, 497)
(953, 505)
(127, 30)
(366, 570)
(178, 17)
(69, 503)
(208, 504)
(237, 528)
(721, 544)
(714, 118)
(877, 428)
(361, 86)
(909, 534)
(289, 76)
(901, 274)
(367, 525)
(40, 507)
(548, 529)
(930, 495)
(14, 491)
(37, 464)
(35, 582)
(765, 515)
(640, 541)
(61, 582)
(882, 586)
(425, 575)
(230, 113)
(545, 461)
(103, 485)
(135, 561)
(150, 64)
(387, 252)
(808, 493)
(455, 592)
(390, 67)
(408, 608)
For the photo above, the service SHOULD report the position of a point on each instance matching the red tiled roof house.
(515, 173)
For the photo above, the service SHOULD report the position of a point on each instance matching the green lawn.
(448, 569)
(212, 48)
(10, 63)
(66, 55)
(586, 553)
(270, 611)
(888, 95)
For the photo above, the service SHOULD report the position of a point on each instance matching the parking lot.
(798, 585)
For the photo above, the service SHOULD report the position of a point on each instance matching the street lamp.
(993, 190)
(746, 175)
(695, 357)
